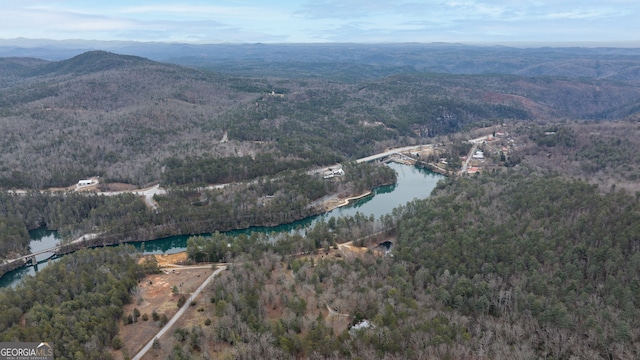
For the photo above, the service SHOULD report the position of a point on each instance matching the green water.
(412, 183)
(40, 239)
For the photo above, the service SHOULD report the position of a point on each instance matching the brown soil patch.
(168, 260)
(195, 315)
(155, 294)
(348, 249)
(334, 203)
(88, 188)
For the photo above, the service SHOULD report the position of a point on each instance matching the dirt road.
(180, 312)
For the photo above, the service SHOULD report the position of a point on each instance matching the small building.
(333, 173)
(85, 182)
(362, 325)
(275, 94)
(478, 155)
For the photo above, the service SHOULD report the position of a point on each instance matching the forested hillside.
(509, 265)
(603, 153)
(128, 119)
(78, 314)
(537, 260)
(535, 257)
(518, 263)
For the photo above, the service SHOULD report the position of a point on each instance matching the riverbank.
(334, 203)
(412, 183)
(433, 167)
(6, 267)
(92, 240)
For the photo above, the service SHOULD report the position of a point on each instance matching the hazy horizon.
(34, 42)
(474, 22)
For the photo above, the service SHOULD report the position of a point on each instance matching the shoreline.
(93, 240)
(333, 204)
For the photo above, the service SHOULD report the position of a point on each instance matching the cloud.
(354, 9)
(584, 14)
(179, 10)
(145, 22)
(323, 20)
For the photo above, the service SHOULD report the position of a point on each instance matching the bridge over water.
(389, 153)
(148, 194)
(32, 258)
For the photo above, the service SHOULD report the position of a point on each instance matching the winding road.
(148, 193)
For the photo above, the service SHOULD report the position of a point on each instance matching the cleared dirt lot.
(155, 293)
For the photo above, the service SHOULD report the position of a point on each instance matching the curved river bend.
(412, 183)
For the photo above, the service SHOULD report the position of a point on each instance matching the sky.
(324, 21)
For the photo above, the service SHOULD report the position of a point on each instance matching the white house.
(333, 173)
(364, 324)
(85, 182)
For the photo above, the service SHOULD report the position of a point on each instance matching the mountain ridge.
(264, 59)
(123, 117)
(93, 61)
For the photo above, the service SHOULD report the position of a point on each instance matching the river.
(412, 183)
(40, 239)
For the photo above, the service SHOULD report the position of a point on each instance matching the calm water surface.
(412, 183)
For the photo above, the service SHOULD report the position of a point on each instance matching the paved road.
(465, 166)
(148, 194)
(180, 312)
(389, 152)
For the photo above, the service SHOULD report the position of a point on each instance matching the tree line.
(75, 303)
(511, 264)
(60, 126)
(265, 201)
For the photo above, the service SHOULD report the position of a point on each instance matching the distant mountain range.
(357, 61)
(127, 118)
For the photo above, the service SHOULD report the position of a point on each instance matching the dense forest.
(76, 303)
(132, 120)
(556, 257)
(535, 257)
(509, 265)
(602, 153)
